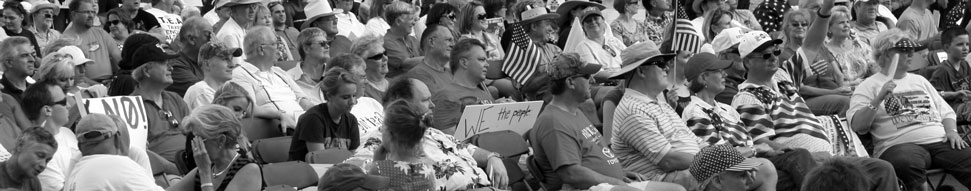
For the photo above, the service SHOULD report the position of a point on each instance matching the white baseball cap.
(726, 39)
(755, 40)
(76, 53)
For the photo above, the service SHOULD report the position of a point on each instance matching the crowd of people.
(654, 95)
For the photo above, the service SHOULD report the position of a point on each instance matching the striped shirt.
(645, 131)
(780, 114)
(719, 124)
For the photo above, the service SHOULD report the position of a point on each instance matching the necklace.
(227, 166)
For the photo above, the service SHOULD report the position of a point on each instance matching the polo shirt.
(645, 131)
(316, 126)
(165, 138)
(560, 138)
(10, 89)
(97, 45)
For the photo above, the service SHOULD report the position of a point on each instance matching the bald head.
(260, 42)
(195, 32)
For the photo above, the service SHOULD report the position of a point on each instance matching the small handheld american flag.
(523, 57)
(686, 38)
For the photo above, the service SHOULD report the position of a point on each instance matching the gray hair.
(363, 44)
(7, 46)
(214, 122)
(254, 39)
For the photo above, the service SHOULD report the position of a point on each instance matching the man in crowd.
(234, 28)
(398, 42)
(436, 42)
(722, 168)
(43, 19)
(141, 19)
(725, 44)
(18, 59)
(324, 18)
(34, 149)
(538, 25)
(468, 67)
(216, 59)
(953, 77)
(282, 28)
(104, 165)
(568, 149)
(46, 106)
(314, 48)
(274, 93)
(186, 69)
(921, 22)
(100, 46)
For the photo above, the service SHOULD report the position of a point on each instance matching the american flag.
(523, 57)
(686, 38)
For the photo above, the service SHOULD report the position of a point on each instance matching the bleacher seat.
(259, 128)
(292, 173)
(272, 150)
(329, 156)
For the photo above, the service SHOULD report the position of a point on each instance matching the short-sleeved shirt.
(58, 169)
(560, 138)
(459, 170)
(400, 48)
(143, 20)
(405, 175)
(185, 72)
(199, 94)
(868, 33)
(6, 181)
(165, 138)
(109, 172)
(316, 126)
(607, 54)
(450, 101)
(646, 130)
(95, 43)
(232, 34)
(433, 76)
(780, 114)
(922, 24)
(951, 76)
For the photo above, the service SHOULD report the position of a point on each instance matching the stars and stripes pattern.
(686, 38)
(523, 57)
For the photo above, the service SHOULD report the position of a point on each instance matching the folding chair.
(329, 156)
(293, 173)
(258, 128)
(272, 150)
(936, 172)
(536, 172)
(510, 145)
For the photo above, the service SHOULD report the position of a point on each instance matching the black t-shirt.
(316, 126)
(30, 36)
(8, 182)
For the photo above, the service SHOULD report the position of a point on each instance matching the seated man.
(568, 149)
(466, 88)
(649, 137)
(46, 105)
(34, 149)
(104, 165)
(913, 127)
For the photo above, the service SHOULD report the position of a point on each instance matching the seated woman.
(913, 127)
(598, 46)
(234, 97)
(221, 166)
(329, 125)
(405, 124)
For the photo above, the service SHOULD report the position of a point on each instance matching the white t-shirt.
(377, 26)
(171, 23)
(107, 173)
(67, 153)
(370, 115)
(349, 26)
(232, 34)
(198, 94)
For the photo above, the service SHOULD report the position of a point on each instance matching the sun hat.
(569, 64)
(533, 14)
(230, 3)
(346, 176)
(566, 7)
(702, 62)
(726, 39)
(319, 9)
(76, 53)
(715, 159)
(755, 41)
(638, 54)
(42, 6)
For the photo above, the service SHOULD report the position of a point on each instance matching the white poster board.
(130, 109)
(170, 23)
(518, 117)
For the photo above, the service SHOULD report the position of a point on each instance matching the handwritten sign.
(170, 23)
(369, 114)
(130, 109)
(518, 117)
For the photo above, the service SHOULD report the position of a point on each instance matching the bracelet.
(820, 14)
(206, 184)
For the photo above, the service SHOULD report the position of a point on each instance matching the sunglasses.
(323, 44)
(63, 102)
(450, 16)
(98, 134)
(767, 55)
(659, 64)
(378, 56)
(114, 22)
(481, 17)
(633, 2)
(168, 116)
(800, 24)
(610, 50)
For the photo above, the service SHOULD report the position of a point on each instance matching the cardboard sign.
(518, 117)
(130, 109)
(170, 23)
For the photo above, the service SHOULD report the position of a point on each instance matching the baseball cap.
(906, 43)
(148, 53)
(726, 39)
(218, 49)
(569, 64)
(637, 54)
(76, 53)
(92, 126)
(715, 159)
(755, 41)
(702, 62)
(345, 176)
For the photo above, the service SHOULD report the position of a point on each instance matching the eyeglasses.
(481, 17)
(97, 134)
(794, 24)
(610, 50)
(633, 2)
(378, 56)
(171, 118)
(767, 55)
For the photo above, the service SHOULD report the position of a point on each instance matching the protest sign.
(518, 117)
(130, 109)
(170, 23)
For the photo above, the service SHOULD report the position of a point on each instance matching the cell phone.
(494, 24)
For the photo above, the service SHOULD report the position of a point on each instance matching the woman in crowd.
(120, 27)
(598, 47)
(234, 97)
(743, 16)
(631, 30)
(16, 22)
(57, 68)
(715, 22)
(215, 150)
(913, 126)
(441, 14)
(472, 23)
(850, 52)
(405, 123)
(376, 25)
(371, 48)
(265, 19)
(329, 125)
(811, 64)
(568, 11)
(496, 9)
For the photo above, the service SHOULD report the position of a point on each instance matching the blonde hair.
(214, 122)
(55, 65)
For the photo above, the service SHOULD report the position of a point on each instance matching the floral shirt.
(854, 60)
(639, 34)
(455, 169)
(405, 175)
(655, 27)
